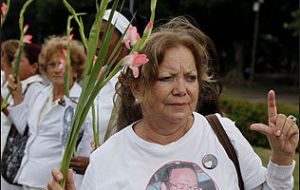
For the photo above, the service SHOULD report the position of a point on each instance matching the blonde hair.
(57, 43)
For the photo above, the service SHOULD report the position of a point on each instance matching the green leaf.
(92, 85)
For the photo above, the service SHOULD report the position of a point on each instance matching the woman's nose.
(179, 88)
(60, 67)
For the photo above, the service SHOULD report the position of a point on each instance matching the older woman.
(167, 132)
(47, 114)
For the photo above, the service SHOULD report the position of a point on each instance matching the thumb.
(70, 180)
(261, 128)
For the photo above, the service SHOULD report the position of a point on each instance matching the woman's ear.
(134, 87)
(35, 68)
(136, 90)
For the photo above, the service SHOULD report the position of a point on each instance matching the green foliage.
(295, 24)
(245, 113)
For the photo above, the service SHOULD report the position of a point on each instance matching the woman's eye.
(164, 79)
(191, 78)
(51, 65)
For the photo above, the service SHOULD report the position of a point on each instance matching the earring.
(136, 101)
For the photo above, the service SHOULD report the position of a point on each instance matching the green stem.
(68, 58)
(95, 128)
(5, 15)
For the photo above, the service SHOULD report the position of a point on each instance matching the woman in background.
(31, 82)
(48, 113)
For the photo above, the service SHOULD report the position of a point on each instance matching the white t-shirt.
(128, 162)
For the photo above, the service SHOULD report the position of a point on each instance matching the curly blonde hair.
(57, 43)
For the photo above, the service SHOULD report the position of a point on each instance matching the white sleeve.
(88, 182)
(252, 170)
(19, 113)
(278, 177)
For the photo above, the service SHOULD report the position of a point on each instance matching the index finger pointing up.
(272, 109)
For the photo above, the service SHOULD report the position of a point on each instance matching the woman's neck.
(158, 132)
(58, 92)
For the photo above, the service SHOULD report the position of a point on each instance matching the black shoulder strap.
(226, 143)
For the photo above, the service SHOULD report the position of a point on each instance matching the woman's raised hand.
(282, 132)
(14, 85)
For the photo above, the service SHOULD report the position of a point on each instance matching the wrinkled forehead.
(179, 58)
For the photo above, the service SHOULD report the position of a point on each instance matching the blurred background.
(256, 40)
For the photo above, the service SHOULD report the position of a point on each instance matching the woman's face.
(174, 95)
(56, 68)
(26, 69)
(113, 43)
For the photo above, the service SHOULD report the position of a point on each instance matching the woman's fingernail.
(60, 176)
(278, 133)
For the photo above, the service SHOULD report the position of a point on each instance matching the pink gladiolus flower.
(148, 27)
(131, 37)
(71, 38)
(95, 59)
(62, 61)
(62, 64)
(3, 8)
(27, 39)
(64, 51)
(134, 61)
(25, 28)
(101, 71)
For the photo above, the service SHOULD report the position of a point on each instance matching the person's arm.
(278, 177)
(79, 164)
(283, 136)
(19, 113)
(15, 87)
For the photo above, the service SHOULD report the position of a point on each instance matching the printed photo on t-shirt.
(67, 119)
(179, 175)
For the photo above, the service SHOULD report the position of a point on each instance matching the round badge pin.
(209, 161)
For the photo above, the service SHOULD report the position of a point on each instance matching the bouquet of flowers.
(92, 81)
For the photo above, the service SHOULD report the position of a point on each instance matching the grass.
(265, 155)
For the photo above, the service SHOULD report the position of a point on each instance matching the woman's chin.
(179, 117)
